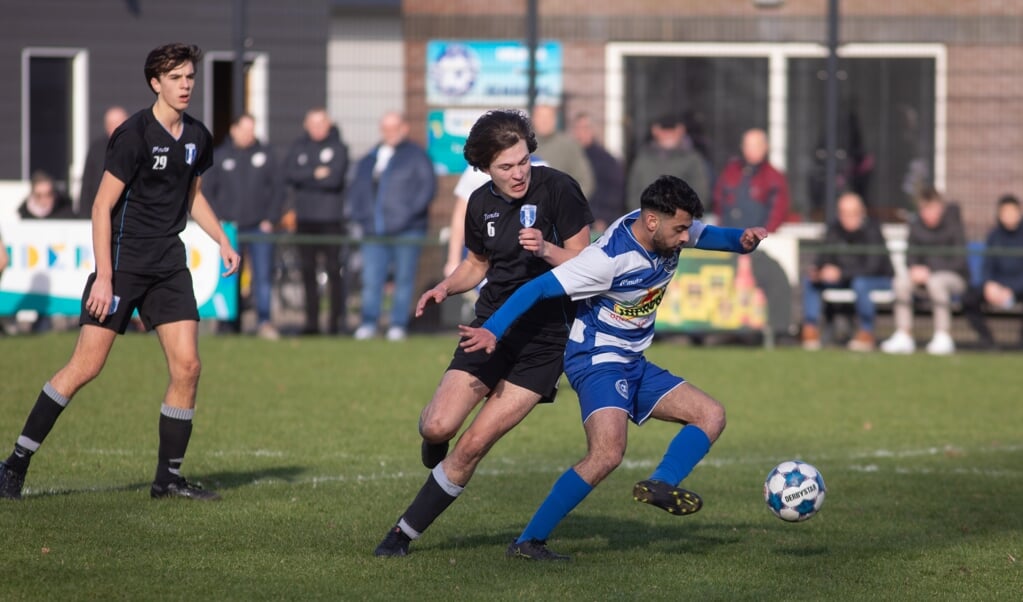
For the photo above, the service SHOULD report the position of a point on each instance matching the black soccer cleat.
(672, 500)
(433, 453)
(183, 489)
(533, 549)
(394, 544)
(11, 482)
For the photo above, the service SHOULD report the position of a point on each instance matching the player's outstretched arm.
(715, 238)
(527, 295)
(202, 213)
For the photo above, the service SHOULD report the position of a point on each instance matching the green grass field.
(313, 444)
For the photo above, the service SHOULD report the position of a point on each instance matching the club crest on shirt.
(670, 264)
(190, 153)
(622, 386)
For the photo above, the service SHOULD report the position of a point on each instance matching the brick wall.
(984, 39)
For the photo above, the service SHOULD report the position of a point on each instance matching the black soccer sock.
(40, 421)
(175, 431)
(432, 500)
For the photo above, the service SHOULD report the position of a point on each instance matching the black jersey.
(492, 229)
(158, 171)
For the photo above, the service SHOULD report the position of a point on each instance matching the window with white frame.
(891, 111)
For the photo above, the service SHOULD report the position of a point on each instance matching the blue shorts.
(635, 387)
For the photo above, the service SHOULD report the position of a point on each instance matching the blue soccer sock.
(684, 452)
(568, 491)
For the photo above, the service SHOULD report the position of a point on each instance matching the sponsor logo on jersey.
(161, 149)
(190, 153)
(490, 216)
(644, 307)
(629, 281)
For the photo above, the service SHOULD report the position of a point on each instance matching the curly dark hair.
(496, 131)
(667, 194)
(169, 57)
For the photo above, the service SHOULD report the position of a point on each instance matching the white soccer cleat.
(900, 342)
(941, 344)
(365, 332)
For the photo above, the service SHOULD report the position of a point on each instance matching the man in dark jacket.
(750, 191)
(92, 172)
(936, 227)
(315, 169)
(670, 152)
(840, 266)
(390, 196)
(244, 186)
(607, 202)
(1001, 274)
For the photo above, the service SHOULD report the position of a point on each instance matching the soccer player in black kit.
(151, 185)
(527, 364)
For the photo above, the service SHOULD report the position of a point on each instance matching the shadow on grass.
(581, 531)
(224, 480)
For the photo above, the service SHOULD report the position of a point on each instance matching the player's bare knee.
(435, 430)
(187, 371)
(74, 376)
(713, 420)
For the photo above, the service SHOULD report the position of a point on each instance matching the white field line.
(508, 468)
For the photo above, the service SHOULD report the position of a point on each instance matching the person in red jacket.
(750, 191)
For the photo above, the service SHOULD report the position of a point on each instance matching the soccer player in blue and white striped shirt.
(620, 280)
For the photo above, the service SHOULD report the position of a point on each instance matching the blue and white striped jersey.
(620, 284)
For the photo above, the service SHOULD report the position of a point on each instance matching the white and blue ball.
(794, 491)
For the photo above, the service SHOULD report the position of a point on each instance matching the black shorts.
(160, 299)
(522, 357)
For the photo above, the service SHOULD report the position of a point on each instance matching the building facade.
(69, 61)
(928, 90)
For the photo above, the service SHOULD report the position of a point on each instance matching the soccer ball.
(794, 491)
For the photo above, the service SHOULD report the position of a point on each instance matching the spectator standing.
(1001, 275)
(670, 152)
(92, 172)
(560, 150)
(607, 202)
(315, 169)
(45, 200)
(843, 266)
(390, 197)
(244, 186)
(750, 191)
(936, 226)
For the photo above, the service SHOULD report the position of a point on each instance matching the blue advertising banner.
(490, 73)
